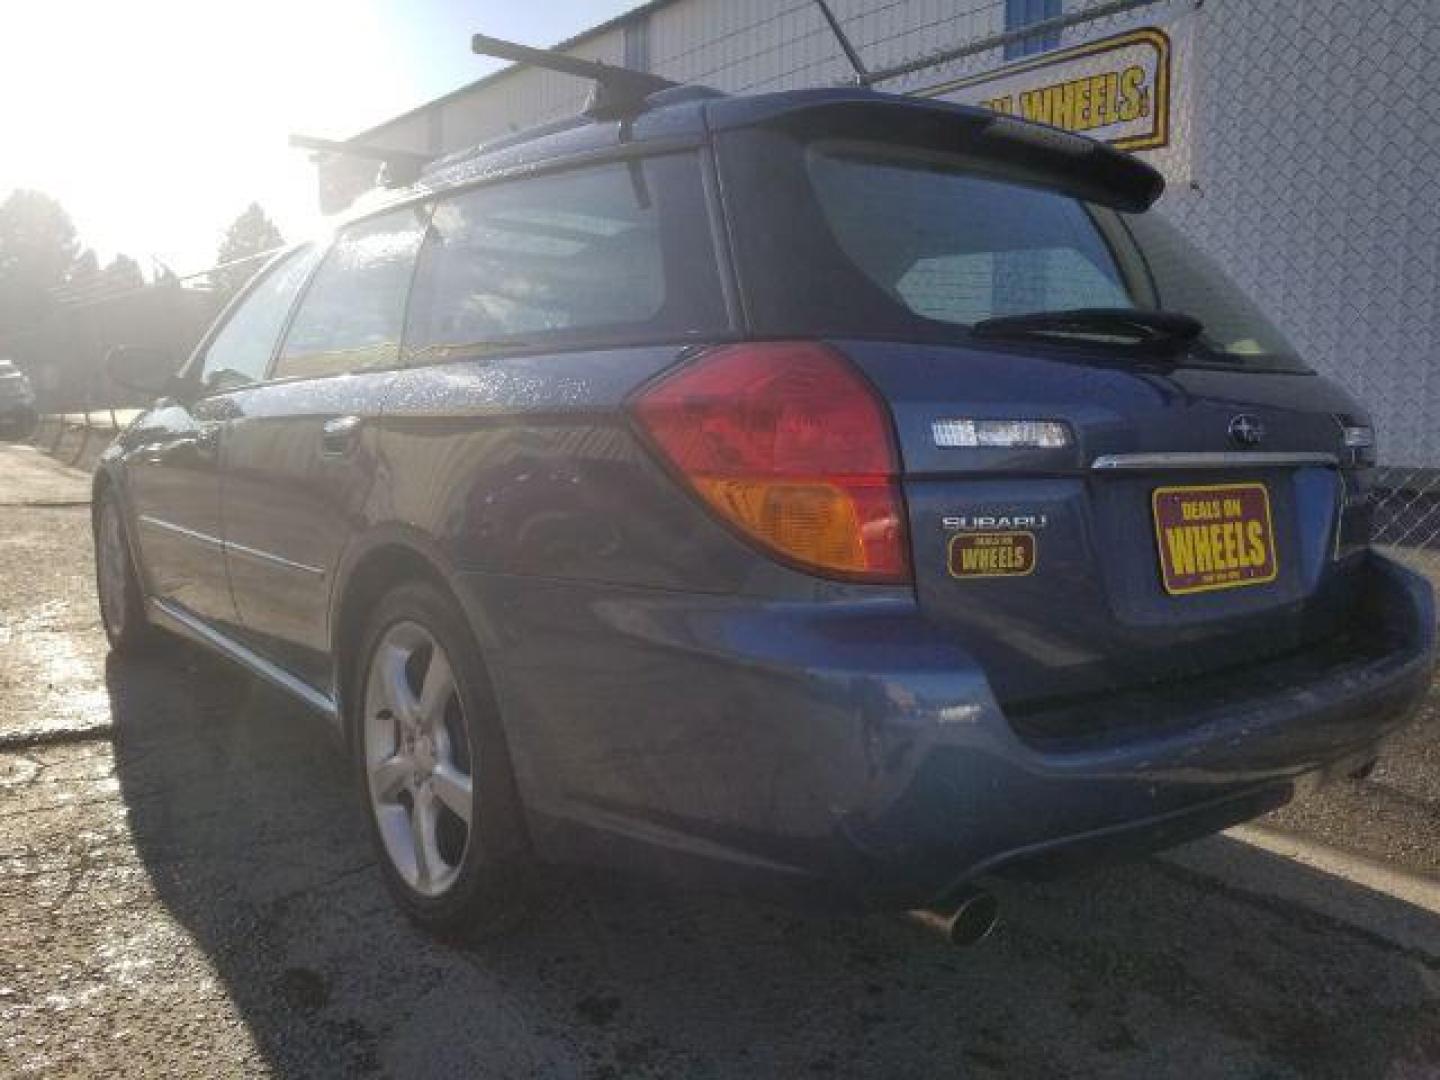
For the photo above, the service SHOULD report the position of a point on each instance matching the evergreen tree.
(122, 272)
(250, 234)
(38, 249)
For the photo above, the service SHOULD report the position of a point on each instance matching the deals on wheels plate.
(992, 554)
(1214, 537)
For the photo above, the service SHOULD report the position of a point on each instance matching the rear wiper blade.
(1142, 328)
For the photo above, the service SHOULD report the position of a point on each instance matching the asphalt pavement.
(185, 890)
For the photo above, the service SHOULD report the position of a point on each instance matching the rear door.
(1091, 509)
(300, 450)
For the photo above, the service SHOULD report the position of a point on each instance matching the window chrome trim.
(180, 530)
(1225, 459)
(274, 560)
(230, 547)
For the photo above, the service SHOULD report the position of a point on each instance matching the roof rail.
(618, 91)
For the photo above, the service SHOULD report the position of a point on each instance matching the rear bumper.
(853, 742)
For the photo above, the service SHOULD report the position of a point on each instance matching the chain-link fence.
(64, 349)
(1406, 505)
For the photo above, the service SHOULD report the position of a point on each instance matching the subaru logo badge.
(1246, 430)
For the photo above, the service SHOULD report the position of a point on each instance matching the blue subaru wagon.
(819, 490)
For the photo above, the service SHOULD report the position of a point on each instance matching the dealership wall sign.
(1117, 89)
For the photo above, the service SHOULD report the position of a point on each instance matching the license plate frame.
(1199, 552)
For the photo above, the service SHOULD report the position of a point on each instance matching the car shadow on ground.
(244, 817)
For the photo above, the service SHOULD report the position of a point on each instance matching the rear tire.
(433, 768)
(122, 602)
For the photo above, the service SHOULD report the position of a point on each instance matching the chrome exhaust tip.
(969, 923)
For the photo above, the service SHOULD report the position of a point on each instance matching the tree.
(162, 276)
(37, 250)
(122, 272)
(250, 234)
(85, 270)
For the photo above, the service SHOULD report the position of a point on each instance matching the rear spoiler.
(1004, 146)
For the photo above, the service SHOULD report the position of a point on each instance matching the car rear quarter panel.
(528, 466)
(565, 535)
(531, 466)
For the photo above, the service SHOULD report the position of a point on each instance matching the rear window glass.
(952, 248)
(959, 248)
(1186, 279)
(578, 255)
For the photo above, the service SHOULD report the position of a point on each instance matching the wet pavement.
(185, 890)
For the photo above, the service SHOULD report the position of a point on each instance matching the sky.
(156, 122)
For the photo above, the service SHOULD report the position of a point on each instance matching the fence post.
(59, 434)
(84, 435)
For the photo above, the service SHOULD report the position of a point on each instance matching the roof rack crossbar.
(401, 167)
(618, 91)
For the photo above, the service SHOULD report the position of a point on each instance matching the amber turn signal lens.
(789, 444)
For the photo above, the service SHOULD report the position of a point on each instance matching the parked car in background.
(822, 489)
(17, 402)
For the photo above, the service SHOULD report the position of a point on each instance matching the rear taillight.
(789, 444)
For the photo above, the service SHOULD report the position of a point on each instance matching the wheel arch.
(101, 483)
(386, 558)
(106, 482)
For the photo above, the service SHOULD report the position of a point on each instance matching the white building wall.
(744, 44)
(1311, 149)
(524, 97)
(759, 45)
(1317, 186)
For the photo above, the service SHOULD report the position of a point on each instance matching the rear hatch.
(1148, 549)
(1149, 487)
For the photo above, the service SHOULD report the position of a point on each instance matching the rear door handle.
(340, 435)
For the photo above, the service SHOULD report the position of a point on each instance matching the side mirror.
(141, 368)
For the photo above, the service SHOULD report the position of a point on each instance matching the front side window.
(577, 255)
(351, 317)
(241, 351)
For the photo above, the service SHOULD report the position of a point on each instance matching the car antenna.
(862, 76)
(618, 91)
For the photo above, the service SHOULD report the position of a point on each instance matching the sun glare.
(155, 123)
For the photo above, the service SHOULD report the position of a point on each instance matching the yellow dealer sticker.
(1214, 537)
(1116, 89)
(992, 554)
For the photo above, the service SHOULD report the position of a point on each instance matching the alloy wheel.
(418, 760)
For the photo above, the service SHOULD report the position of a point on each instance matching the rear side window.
(241, 351)
(351, 317)
(582, 256)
